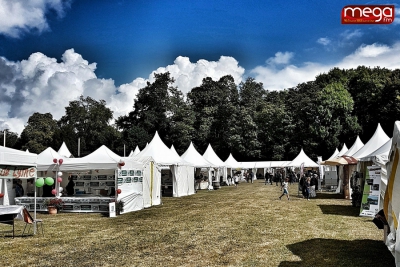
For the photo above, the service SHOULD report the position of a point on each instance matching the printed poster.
(371, 194)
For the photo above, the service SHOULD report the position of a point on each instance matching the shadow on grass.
(332, 252)
(340, 210)
(329, 195)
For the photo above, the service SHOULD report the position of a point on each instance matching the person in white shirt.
(285, 187)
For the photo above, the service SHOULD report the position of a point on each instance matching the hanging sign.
(11, 172)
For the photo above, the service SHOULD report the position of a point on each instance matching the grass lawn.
(244, 226)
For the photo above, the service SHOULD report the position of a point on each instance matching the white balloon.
(59, 173)
(60, 189)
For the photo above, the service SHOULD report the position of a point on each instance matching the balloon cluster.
(41, 181)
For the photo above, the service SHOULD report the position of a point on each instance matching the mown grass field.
(244, 226)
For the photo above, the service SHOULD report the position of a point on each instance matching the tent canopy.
(377, 140)
(159, 152)
(343, 150)
(355, 147)
(302, 158)
(382, 151)
(343, 160)
(10, 156)
(64, 151)
(210, 155)
(231, 162)
(191, 155)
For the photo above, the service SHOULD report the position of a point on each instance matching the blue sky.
(53, 51)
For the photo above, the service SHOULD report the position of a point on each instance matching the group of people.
(308, 184)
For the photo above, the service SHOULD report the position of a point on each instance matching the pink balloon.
(59, 179)
(55, 160)
(60, 161)
(54, 191)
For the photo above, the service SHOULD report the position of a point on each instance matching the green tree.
(89, 120)
(152, 110)
(11, 138)
(39, 132)
(215, 105)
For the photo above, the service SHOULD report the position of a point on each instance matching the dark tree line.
(246, 120)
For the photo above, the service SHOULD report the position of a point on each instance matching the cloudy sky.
(53, 51)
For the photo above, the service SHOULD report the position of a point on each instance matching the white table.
(9, 213)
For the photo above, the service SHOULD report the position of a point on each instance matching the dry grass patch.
(247, 226)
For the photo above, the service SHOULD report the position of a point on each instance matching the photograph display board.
(370, 199)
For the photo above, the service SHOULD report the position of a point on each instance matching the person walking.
(285, 187)
(236, 180)
(307, 187)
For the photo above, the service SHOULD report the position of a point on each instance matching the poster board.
(371, 193)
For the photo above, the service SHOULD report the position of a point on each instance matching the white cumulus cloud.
(18, 16)
(289, 76)
(41, 84)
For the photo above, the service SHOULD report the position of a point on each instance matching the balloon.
(49, 181)
(54, 191)
(55, 160)
(121, 163)
(1, 195)
(60, 189)
(39, 182)
(60, 161)
(119, 191)
(59, 179)
(59, 173)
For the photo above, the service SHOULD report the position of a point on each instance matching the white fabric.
(10, 156)
(302, 158)
(382, 151)
(232, 162)
(334, 154)
(192, 156)
(212, 157)
(64, 151)
(358, 144)
(343, 150)
(159, 152)
(377, 140)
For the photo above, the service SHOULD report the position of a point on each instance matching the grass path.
(244, 226)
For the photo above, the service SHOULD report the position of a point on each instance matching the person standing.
(70, 186)
(30, 188)
(307, 187)
(19, 190)
(236, 180)
(285, 187)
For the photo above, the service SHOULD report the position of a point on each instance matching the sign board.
(370, 200)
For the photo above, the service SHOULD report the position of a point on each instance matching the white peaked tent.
(134, 153)
(302, 158)
(391, 205)
(334, 154)
(231, 163)
(135, 195)
(45, 160)
(343, 150)
(19, 160)
(182, 172)
(358, 144)
(212, 157)
(64, 151)
(174, 151)
(377, 140)
(381, 154)
(192, 156)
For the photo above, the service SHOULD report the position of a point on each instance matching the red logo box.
(368, 14)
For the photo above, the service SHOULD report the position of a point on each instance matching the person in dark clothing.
(70, 187)
(19, 190)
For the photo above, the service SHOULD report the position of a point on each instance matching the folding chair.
(29, 220)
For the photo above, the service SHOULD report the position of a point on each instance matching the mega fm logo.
(368, 14)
